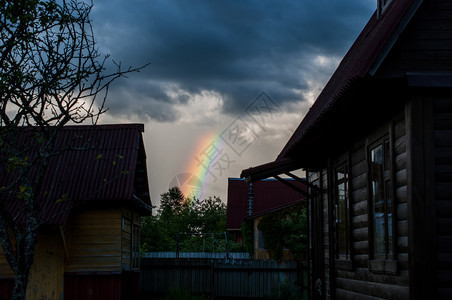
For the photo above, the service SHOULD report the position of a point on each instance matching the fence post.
(177, 246)
(300, 278)
(212, 279)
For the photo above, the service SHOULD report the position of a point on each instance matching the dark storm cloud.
(236, 48)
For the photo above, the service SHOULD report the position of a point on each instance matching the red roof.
(269, 194)
(363, 57)
(98, 164)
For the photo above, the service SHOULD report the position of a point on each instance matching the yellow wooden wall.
(98, 241)
(47, 272)
(95, 243)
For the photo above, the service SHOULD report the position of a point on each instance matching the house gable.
(424, 45)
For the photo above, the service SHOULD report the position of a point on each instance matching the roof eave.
(270, 169)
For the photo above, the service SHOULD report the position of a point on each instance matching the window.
(381, 204)
(130, 244)
(135, 247)
(341, 213)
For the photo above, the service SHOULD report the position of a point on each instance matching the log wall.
(425, 45)
(359, 280)
(443, 176)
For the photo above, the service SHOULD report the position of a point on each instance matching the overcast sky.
(218, 66)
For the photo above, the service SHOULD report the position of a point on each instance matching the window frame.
(385, 263)
(135, 246)
(343, 165)
(134, 242)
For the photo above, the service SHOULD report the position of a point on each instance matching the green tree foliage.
(297, 228)
(285, 229)
(180, 215)
(248, 236)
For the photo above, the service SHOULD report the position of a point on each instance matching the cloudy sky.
(228, 81)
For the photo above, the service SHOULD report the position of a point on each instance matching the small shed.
(377, 149)
(88, 245)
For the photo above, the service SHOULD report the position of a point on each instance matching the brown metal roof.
(97, 164)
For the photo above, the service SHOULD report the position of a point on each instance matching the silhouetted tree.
(51, 74)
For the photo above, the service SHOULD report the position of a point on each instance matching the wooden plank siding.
(130, 220)
(47, 272)
(443, 176)
(96, 241)
(425, 44)
(126, 240)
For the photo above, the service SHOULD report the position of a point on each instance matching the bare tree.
(52, 74)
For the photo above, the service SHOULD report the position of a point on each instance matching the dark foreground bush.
(179, 294)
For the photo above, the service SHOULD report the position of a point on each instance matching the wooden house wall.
(5, 270)
(47, 272)
(126, 240)
(443, 175)
(95, 241)
(360, 281)
(130, 220)
(425, 48)
(425, 44)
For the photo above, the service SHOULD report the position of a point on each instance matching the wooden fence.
(219, 278)
(220, 255)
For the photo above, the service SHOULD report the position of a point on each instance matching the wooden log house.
(377, 150)
(88, 247)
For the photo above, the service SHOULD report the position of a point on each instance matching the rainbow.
(199, 172)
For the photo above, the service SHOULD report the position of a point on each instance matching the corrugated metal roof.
(95, 164)
(268, 194)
